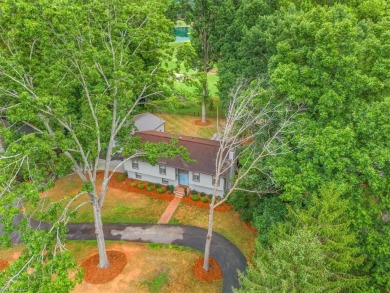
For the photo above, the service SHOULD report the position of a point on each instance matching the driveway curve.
(229, 257)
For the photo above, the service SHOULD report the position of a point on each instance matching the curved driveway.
(229, 257)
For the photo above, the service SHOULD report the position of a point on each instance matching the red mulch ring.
(3, 265)
(125, 184)
(200, 123)
(213, 274)
(95, 275)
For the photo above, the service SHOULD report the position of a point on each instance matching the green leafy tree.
(315, 251)
(208, 19)
(75, 72)
(333, 61)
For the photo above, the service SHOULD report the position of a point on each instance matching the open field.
(184, 124)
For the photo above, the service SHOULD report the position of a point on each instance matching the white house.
(197, 176)
(143, 121)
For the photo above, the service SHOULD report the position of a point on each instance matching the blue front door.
(183, 178)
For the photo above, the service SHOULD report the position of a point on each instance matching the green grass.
(157, 282)
(119, 206)
(129, 207)
(212, 77)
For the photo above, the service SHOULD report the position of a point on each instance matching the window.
(163, 169)
(214, 181)
(134, 164)
(165, 181)
(195, 176)
(138, 175)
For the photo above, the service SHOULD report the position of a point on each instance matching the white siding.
(113, 165)
(152, 174)
(205, 184)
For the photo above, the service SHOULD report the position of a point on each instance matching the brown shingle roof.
(203, 151)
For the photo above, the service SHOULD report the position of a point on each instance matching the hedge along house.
(198, 175)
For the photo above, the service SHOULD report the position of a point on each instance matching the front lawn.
(131, 207)
(119, 206)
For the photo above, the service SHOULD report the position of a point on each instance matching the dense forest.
(320, 205)
(326, 228)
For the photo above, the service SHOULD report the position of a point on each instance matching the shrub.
(158, 185)
(160, 190)
(150, 188)
(150, 184)
(121, 177)
(202, 194)
(171, 188)
(193, 191)
(195, 197)
(141, 185)
(218, 197)
(210, 196)
(133, 184)
(204, 199)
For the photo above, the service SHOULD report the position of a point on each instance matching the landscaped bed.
(132, 185)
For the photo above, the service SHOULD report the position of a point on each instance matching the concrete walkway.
(229, 257)
(169, 211)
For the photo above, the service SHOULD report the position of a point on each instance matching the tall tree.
(208, 19)
(249, 114)
(333, 61)
(315, 251)
(75, 72)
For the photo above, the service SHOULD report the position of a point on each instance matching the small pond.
(181, 33)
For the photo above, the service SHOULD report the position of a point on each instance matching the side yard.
(184, 124)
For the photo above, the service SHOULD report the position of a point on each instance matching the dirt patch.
(250, 227)
(200, 123)
(3, 265)
(95, 275)
(213, 274)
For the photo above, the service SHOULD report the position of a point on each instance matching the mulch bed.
(95, 275)
(200, 123)
(250, 227)
(213, 274)
(125, 184)
(3, 265)
(222, 208)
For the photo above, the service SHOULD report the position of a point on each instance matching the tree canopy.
(331, 59)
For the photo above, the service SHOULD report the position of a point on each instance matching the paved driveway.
(229, 257)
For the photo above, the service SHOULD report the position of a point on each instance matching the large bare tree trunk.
(206, 261)
(203, 110)
(103, 259)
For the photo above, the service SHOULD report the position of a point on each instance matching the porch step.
(179, 191)
(179, 194)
